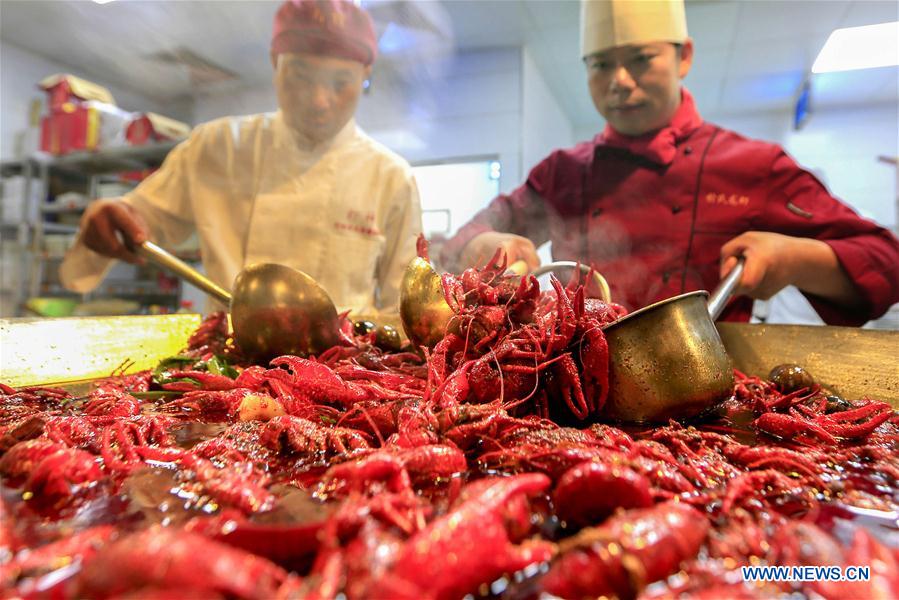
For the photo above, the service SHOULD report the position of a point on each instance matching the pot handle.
(722, 293)
(604, 293)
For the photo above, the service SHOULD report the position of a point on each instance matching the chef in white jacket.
(304, 186)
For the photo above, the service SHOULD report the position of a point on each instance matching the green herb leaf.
(218, 365)
(161, 374)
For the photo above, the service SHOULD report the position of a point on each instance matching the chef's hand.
(482, 247)
(774, 261)
(107, 225)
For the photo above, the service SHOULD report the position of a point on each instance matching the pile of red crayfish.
(476, 469)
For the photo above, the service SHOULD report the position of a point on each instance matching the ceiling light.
(103, 1)
(859, 48)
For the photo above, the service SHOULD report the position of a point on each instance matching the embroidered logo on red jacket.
(726, 199)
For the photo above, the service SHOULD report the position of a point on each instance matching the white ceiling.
(752, 55)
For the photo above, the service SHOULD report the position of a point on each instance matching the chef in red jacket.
(662, 202)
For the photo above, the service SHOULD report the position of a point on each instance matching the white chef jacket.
(346, 212)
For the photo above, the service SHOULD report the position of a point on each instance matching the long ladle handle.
(718, 299)
(158, 256)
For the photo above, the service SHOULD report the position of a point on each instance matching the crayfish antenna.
(575, 280)
(497, 262)
(426, 398)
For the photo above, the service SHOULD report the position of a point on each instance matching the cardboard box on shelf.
(63, 89)
(146, 128)
(87, 125)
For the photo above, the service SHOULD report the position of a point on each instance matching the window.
(453, 192)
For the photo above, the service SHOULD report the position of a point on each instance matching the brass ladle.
(424, 311)
(275, 309)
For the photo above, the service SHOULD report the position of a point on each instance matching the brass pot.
(667, 360)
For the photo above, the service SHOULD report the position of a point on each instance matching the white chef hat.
(609, 23)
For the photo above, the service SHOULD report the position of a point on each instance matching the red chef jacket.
(652, 213)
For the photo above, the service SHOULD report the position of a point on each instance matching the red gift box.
(83, 126)
(63, 89)
(56, 132)
(151, 127)
(83, 116)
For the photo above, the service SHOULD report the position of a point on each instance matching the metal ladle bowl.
(423, 308)
(275, 309)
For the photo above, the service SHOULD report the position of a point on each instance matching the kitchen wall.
(544, 127)
(20, 72)
(454, 105)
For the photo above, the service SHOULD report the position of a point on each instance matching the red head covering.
(335, 28)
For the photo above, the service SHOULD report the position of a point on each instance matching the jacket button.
(666, 276)
(688, 150)
(597, 212)
(676, 209)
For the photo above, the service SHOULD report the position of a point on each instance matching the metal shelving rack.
(90, 166)
(23, 230)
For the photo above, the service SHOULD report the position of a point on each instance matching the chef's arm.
(515, 222)
(521, 215)
(774, 261)
(845, 265)
(113, 228)
(158, 209)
